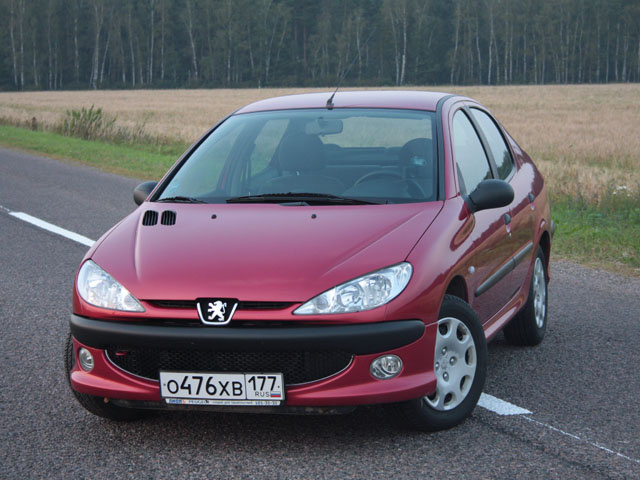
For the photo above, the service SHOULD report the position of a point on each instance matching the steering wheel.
(413, 188)
(378, 174)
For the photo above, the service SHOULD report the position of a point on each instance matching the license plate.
(257, 389)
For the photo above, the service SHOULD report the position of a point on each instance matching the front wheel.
(460, 363)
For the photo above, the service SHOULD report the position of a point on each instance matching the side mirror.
(491, 193)
(142, 191)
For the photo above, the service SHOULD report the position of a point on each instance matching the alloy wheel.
(455, 363)
(539, 293)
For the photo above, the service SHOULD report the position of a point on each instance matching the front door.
(491, 235)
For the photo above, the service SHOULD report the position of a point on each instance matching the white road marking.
(583, 440)
(52, 228)
(489, 402)
(500, 407)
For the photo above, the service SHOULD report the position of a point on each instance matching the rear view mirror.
(142, 191)
(322, 126)
(491, 193)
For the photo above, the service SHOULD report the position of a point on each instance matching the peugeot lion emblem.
(216, 311)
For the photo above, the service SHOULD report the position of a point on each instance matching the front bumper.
(411, 340)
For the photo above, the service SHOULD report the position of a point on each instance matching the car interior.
(303, 163)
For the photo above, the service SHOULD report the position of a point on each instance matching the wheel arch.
(458, 288)
(545, 244)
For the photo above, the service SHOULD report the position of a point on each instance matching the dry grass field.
(584, 138)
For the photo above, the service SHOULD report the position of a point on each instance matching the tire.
(527, 328)
(93, 404)
(460, 364)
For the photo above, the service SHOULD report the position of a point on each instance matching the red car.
(312, 254)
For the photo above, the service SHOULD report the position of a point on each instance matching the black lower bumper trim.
(359, 339)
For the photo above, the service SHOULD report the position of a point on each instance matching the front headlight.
(363, 293)
(100, 289)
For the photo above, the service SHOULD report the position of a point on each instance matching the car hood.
(257, 252)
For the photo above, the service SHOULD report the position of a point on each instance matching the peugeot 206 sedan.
(310, 254)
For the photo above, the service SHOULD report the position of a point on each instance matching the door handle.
(507, 223)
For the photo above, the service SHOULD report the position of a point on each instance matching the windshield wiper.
(309, 198)
(181, 199)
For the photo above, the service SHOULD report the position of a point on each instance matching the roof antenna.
(344, 74)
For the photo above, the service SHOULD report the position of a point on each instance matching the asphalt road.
(581, 385)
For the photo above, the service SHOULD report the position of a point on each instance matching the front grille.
(197, 323)
(263, 305)
(297, 367)
(241, 305)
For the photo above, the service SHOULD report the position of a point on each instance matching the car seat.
(300, 161)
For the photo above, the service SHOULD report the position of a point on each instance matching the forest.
(114, 44)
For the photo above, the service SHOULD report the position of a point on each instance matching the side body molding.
(504, 270)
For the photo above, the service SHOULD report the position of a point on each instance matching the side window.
(499, 149)
(266, 143)
(472, 162)
(205, 163)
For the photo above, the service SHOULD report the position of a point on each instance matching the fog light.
(387, 366)
(86, 359)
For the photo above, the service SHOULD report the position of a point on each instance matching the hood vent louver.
(150, 218)
(168, 217)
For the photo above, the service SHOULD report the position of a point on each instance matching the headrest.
(416, 153)
(301, 153)
(417, 157)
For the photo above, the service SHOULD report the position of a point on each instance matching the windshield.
(312, 157)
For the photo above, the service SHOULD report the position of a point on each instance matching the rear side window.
(471, 160)
(379, 132)
(497, 145)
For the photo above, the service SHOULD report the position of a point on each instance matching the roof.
(415, 100)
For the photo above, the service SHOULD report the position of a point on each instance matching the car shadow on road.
(364, 426)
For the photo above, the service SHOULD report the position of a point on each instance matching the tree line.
(79, 44)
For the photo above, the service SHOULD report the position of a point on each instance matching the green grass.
(605, 236)
(139, 161)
